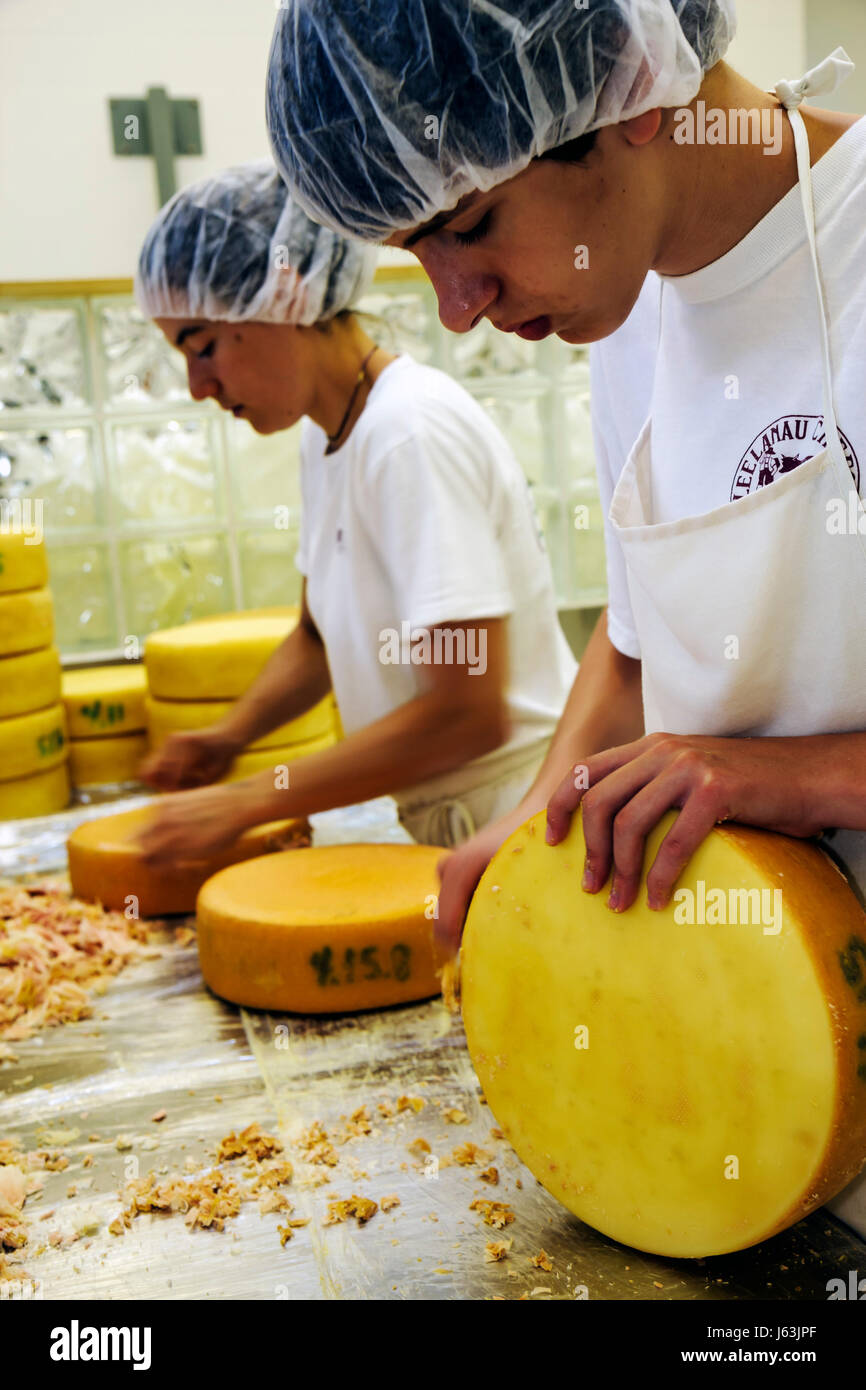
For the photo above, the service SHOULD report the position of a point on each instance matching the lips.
(534, 329)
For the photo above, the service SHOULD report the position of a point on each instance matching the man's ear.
(640, 130)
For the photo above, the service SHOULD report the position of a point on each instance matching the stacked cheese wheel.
(105, 711)
(196, 672)
(689, 1081)
(34, 776)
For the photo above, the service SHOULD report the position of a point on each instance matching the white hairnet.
(382, 113)
(237, 246)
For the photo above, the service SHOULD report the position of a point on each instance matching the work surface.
(159, 1041)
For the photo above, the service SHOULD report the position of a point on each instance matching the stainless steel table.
(159, 1040)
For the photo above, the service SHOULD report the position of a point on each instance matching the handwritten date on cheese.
(332, 930)
(687, 1087)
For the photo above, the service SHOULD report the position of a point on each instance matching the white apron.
(447, 810)
(766, 571)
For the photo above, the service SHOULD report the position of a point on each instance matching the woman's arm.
(460, 715)
(295, 678)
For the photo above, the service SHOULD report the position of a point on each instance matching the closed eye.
(206, 352)
(481, 228)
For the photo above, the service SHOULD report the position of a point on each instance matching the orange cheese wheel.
(335, 929)
(688, 1081)
(106, 864)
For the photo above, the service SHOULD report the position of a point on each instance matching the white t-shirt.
(734, 381)
(424, 518)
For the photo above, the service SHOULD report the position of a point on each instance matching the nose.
(202, 382)
(464, 294)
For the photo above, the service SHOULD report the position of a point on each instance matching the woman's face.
(560, 248)
(261, 372)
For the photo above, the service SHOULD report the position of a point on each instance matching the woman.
(547, 165)
(428, 603)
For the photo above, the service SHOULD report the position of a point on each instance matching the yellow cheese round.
(215, 658)
(41, 795)
(32, 742)
(98, 762)
(29, 682)
(26, 621)
(106, 864)
(105, 700)
(166, 717)
(245, 764)
(22, 564)
(335, 929)
(687, 1088)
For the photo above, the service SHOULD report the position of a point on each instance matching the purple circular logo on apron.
(782, 447)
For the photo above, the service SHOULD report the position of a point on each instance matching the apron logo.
(782, 447)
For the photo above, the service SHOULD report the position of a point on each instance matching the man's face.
(560, 248)
(258, 371)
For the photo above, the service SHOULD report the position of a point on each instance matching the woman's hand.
(624, 792)
(190, 760)
(196, 824)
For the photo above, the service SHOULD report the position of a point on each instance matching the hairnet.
(382, 113)
(238, 246)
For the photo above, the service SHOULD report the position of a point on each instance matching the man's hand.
(194, 825)
(625, 791)
(191, 759)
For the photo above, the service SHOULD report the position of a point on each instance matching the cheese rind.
(29, 681)
(335, 929)
(31, 743)
(105, 700)
(107, 866)
(23, 565)
(26, 621)
(40, 795)
(167, 717)
(687, 1088)
(99, 762)
(214, 658)
(246, 764)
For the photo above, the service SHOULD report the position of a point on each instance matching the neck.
(341, 348)
(717, 193)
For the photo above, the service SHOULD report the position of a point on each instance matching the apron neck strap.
(823, 78)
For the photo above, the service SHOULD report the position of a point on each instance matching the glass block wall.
(158, 509)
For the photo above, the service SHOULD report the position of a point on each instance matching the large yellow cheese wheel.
(335, 929)
(32, 742)
(41, 795)
(30, 681)
(215, 658)
(98, 762)
(245, 764)
(26, 621)
(106, 864)
(166, 717)
(686, 1088)
(22, 563)
(103, 700)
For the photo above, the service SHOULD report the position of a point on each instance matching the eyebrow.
(187, 333)
(464, 205)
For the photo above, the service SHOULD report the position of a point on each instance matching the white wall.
(771, 40)
(72, 209)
